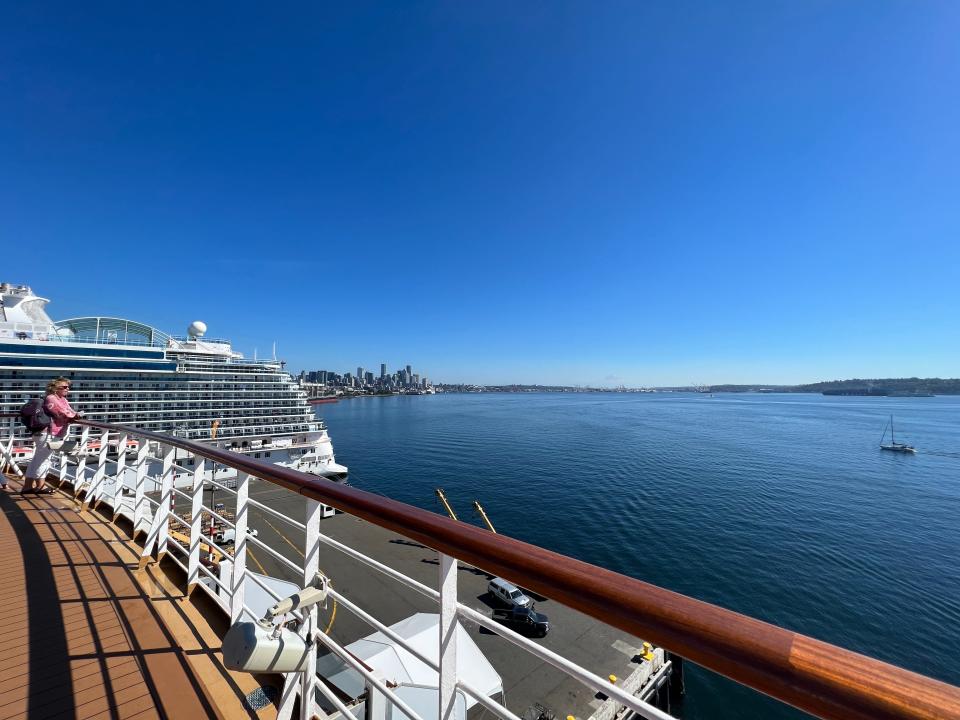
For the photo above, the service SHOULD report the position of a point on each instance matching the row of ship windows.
(203, 420)
(152, 382)
(194, 431)
(210, 408)
(203, 431)
(226, 421)
(87, 385)
(191, 461)
(260, 399)
(165, 380)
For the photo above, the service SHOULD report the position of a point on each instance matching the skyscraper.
(383, 370)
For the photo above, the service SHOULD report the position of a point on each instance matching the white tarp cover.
(425, 702)
(398, 666)
(254, 596)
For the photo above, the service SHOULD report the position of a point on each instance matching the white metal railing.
(139, 486)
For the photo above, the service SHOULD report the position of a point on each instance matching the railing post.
(239, 548)
(161, 520)
(311, 565)
(6, 453)
(5, 450)
(139, 501)
(119, 472)
(64, 463)
(80, 476)
(96, 485)
(448, 637)
(307, 678)
(166, 501)
(8, 458)
(196, 518)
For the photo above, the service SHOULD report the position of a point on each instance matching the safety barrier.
(819, 678)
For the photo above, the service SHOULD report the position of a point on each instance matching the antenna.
(274, 349)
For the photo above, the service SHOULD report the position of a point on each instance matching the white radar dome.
(197, 329)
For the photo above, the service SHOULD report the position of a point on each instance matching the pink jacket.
(60, 413)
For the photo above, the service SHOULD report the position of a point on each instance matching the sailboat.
(893, 445)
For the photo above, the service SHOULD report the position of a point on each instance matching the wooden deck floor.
(87, 635)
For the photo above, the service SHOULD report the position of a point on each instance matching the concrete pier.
(533, 689)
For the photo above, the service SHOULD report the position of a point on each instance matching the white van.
(508, 593)
(228, 536)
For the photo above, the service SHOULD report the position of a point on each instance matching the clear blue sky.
(595, 193)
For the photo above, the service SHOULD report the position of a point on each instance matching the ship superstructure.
(130, 373)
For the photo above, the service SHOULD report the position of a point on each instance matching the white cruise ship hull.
(129, 373)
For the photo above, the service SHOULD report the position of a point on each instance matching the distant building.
(383, 371)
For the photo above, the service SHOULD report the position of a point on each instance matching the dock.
(534, 689)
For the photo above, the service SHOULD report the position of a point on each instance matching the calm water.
(778, 506)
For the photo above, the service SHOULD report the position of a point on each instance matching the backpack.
(33, 415)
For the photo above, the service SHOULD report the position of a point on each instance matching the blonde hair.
(52, 385)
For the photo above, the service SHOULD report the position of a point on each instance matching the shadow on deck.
(88, 635)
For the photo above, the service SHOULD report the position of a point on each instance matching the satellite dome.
(197, 329)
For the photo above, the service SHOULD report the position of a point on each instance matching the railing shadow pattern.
(92, 643)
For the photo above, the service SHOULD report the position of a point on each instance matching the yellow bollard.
(647, 651)
(612, 678)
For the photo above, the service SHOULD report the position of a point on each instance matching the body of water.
(781, 507)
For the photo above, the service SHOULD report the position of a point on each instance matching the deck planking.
(89, 635)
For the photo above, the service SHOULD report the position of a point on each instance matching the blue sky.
(593, 193)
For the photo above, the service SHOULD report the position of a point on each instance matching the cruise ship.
(194, 387)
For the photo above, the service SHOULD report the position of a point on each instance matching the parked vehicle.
(525, 621)
(509, 594)
(228, 536)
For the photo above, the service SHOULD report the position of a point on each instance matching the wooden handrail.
(819, 678)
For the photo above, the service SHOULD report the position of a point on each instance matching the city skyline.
(403, 377)
(628, 193)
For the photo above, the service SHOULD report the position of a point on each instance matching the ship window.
(266, 454)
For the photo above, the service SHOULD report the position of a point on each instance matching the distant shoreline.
(875, 387)
(879, 387)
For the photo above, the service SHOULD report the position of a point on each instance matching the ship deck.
(89, 635)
